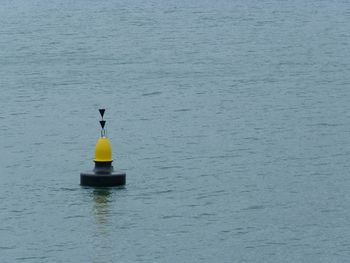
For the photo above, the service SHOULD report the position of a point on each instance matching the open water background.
(230, 118)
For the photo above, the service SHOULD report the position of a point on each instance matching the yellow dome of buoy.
(103, 151)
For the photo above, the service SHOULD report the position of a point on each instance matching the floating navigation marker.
(103, 124)
(103, 174)
(102, 112)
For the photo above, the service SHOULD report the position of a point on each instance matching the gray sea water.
(230, 118)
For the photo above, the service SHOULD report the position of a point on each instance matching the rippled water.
(231, 119)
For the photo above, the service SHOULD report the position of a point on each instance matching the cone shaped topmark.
(103, 124)
(102, 112)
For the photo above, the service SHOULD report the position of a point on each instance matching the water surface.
(230, 118)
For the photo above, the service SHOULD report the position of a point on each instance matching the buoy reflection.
(101, 206)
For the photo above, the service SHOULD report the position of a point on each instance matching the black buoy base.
(102, 180)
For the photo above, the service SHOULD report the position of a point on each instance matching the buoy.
(103, 175)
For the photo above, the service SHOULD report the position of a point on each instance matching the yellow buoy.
(103, 175)
(103, 151)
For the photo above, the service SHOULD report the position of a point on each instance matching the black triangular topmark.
(102, 124)
(102, 112)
